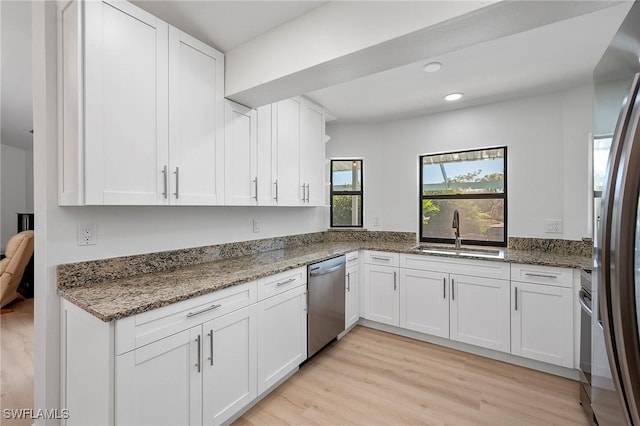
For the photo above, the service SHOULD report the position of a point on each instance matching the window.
(472, 182)
(346, 193)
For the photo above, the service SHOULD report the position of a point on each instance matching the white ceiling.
(226, 24)
(548, 58)
(544, 59)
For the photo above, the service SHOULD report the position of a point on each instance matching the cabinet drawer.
(276, 284)
(537, 274)
(477, 268)
(382, 258)
(352, 258)
(142, 329)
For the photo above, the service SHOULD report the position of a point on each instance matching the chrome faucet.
(456, 225)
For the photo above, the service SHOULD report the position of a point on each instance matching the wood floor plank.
(16, 360)
(375, 378)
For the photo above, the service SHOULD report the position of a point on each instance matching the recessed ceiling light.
(432, 67)
(454, 96)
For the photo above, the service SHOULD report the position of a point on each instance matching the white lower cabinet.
(381, 295)
(468, 309)
(200, 376)
(229, 364)
(282, 335)
(480, 312)
(159, 384)
(424, 302)
(195, 362)
(352, 290)
(542, 323)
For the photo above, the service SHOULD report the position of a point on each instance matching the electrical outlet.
(256, 226)
(377, 221)
(87, 235)
(553, 226)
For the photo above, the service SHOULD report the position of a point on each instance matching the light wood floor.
(16, 360)
(373, 378)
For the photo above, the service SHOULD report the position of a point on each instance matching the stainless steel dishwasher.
(326, 303)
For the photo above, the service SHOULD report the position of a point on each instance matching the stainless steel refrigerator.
(616, 320)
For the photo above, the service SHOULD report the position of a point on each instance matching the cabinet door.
(240, 152)
(266, 158)
(125, 111)
(196, 113)
(381, 295)
(282, 336)
(424, 302)
(229, 370)
(312, 154)
(542, 323)
(352, 295)
(161, 383)
(480, 312)
(287, 130)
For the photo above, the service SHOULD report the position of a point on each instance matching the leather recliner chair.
(18, 252)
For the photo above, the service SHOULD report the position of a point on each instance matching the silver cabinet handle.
(210, 334)
(395, 285)
(529, 274)
(177, 173)
(255, 187)
(304, 192)
(349, 282)
(386, 259)
(308, 193)
(516, 289)
(165, 178)
(276, 194)
(210, 308)
(444, 288)
(199, 363)
(453, 290)
(290, 280)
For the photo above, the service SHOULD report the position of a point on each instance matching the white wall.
(547, 140)
(16, 192)
(132, 230)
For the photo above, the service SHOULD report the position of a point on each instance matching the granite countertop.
(119, 298)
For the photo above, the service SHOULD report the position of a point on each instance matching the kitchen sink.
(489, 253)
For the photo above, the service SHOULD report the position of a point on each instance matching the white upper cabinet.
(141, 113)
(298, 152)
(266, 156)
(312, 154)
(125, 103)
(286, 127)
(196, 121)
(241, 180)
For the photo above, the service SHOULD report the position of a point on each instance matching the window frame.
(360, 193)
(502, 195)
